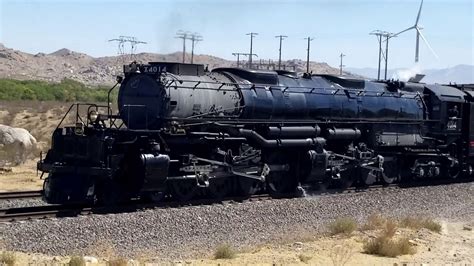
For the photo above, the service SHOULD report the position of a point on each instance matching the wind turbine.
(418, 35)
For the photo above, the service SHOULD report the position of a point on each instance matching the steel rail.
(20, 194)
(51, 211)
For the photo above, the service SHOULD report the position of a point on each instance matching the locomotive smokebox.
(142, 102)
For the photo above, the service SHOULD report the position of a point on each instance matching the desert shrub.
(387, 247)
(389, 229)
(418, 222)
(7, 258)
(67, 90)
(304, 258)
(117, 262)
(224, 252)
(374, 221)
(345, 226)
(77, 261)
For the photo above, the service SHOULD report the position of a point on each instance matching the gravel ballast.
(18, 203)
(189, 231)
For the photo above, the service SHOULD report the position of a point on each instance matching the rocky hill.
(65, 63)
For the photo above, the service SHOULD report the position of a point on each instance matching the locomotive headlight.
(93, 115)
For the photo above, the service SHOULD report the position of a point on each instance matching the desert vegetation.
(225, 251)
(344, 226)
(67, 90)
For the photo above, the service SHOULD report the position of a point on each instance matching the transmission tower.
(122, 40)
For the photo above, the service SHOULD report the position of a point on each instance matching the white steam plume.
(406, 74)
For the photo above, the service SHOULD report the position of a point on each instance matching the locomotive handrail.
(314, 91)
(283, 88)
(78, 117)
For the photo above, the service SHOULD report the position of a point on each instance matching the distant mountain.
(65, 63)
(457, 74)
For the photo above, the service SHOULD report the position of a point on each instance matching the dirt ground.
(453, 246)
(22, 177)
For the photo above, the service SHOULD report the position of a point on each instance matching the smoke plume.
(406, 74)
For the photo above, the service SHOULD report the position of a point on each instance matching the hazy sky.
(337, 25)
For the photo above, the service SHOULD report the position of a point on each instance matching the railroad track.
(21, 194)
(50, 211)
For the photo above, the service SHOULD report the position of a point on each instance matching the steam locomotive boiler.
(182, 131)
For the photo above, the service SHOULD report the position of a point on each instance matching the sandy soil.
(453, 246)
(22, 177)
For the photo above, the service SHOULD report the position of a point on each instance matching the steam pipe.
(280, 143)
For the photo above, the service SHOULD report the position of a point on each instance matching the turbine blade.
(427, 44)
(419, 13)
(396, 34)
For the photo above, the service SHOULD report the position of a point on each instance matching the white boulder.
(16, 145)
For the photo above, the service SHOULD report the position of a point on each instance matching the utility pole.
(252, 34)
(341, 65)
(238, 57)
(195, 37)
(307, 54)
(387, 37)
(380, 38)
(281, 37)
(183, 35)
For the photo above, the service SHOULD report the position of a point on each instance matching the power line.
(251, 54)
(307, 54)
(281, 37)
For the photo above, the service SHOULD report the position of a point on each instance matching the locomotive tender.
(183, 131)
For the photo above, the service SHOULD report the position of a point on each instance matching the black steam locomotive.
(183, 131)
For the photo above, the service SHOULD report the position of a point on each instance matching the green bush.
(66, 91)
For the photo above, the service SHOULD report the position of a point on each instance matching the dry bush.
(117, 262)
(389, 229)
(345, 226)
(419, 222)
(224, 251)
(341, 254)
(388, 247)
(374, 221)
(7, 258)
(77, 261)
(304, 258)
